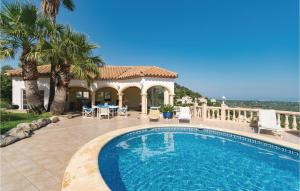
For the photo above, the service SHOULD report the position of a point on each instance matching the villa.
(118, 85)
(135, 127)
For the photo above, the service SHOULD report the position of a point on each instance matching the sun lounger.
(267, 121)
(184, 114)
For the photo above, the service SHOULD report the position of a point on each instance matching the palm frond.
(8, 48)
(69, 4)
(18, 27)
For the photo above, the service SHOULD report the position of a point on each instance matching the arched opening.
(106, 95)
(157, 95)
(132, 98)
(77, 97)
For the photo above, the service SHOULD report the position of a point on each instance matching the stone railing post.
(233, 117)
(228, 115)
(204, 111)
(294, 122)
(286, 122)
(195, 109)
(223, 111)
(278, 119)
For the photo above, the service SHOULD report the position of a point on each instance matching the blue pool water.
(196, 159)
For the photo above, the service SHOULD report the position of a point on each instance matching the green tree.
(6, 84)
(51, 8)
(181, 91)
(73, 56)
(21, 28)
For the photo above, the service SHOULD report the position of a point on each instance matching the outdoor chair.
(267, 121)
(87, 112)
(184, 114)
(103, 111)
(123, 111)
(154, 114)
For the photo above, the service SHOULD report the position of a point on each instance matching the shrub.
(4, 103)
(166, 108)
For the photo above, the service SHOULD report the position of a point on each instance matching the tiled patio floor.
(38, 163)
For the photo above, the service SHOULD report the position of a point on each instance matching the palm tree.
(21, 28)
(51, 8)
(72, 54)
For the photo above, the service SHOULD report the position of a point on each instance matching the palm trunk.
(49, 9)
(30, 76)
(58, 104)
(52, 73)
(52, 85)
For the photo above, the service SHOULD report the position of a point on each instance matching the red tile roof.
(114, 72)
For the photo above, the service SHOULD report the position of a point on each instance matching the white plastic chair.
(267, 121)
(103, 111)
(184, 114)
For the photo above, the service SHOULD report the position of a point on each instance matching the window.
(82, 95)
(25, 106)
(103, 95)
(78, 94)
(86, 95)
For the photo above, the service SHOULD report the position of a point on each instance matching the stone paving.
(39, 162)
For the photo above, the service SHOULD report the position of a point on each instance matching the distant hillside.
(181, 91)
(277, 105)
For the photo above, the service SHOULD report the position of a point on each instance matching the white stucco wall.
(120, 85)
(18, 86)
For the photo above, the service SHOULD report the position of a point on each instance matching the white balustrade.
(290, 119)
(286, 119)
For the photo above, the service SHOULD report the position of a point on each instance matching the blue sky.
(243, 49)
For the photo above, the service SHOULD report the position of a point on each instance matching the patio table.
(112, 108)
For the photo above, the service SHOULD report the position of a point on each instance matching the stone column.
(120, 99)
(204, 111)
(144, 103)
(166, 96)
(93, 100)
(223, 111)
(171, 101)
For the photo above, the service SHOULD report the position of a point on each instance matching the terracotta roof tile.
(114, 72)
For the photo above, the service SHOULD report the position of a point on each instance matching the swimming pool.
(196, 159)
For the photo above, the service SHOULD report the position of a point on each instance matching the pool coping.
(82, 172)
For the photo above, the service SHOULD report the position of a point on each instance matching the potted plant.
(167, 111)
